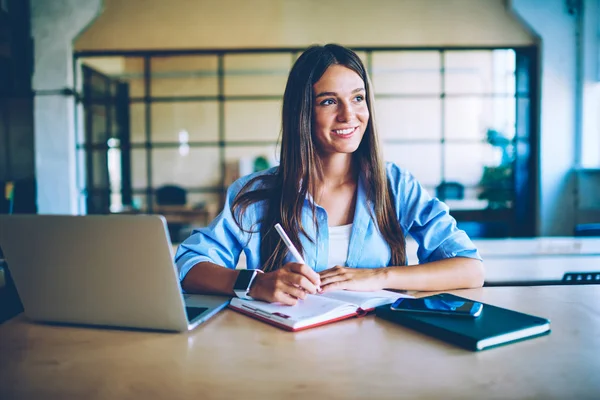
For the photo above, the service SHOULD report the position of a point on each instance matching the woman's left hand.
(359, 279)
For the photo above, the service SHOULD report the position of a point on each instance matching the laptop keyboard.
(193, 312)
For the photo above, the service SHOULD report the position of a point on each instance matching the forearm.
(206, 277)
(451, 273)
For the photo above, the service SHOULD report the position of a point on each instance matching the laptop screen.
(193, 312)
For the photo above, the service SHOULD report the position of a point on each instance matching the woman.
(343, 208)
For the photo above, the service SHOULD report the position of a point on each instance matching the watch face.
(243, 279)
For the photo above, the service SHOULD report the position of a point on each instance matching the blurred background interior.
(152, 106)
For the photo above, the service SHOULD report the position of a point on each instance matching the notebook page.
(365, 300)
(310, 307)
(312, 310)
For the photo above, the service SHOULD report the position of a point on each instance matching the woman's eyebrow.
(361, 89)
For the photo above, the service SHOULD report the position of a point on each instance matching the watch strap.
(242, 293)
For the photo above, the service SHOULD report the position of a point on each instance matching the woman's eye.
(359, 98)
(327, 102)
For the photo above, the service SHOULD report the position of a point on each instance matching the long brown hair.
(285, 191)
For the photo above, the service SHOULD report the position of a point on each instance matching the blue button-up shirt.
(424, 218)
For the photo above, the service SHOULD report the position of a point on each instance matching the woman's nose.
(345, 112)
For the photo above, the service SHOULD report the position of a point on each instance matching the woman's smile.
(344, 133)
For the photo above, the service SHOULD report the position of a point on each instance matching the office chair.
(171, 195)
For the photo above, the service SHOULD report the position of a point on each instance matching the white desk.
(236, 357)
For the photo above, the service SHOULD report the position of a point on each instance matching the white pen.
(291, 247)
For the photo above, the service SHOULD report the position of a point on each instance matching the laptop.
(106, 270)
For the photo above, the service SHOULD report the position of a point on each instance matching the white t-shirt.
(339, 240)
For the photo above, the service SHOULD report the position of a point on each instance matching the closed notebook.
(316, 309)
(494, 327)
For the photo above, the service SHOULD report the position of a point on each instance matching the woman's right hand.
(285, 285)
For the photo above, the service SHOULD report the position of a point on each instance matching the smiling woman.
(331, 191)
(341, 117)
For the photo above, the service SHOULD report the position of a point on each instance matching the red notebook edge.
(358, 313)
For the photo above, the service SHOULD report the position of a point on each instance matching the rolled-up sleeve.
(219, 243)
(429, 222)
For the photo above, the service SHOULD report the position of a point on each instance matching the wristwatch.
(243, 283)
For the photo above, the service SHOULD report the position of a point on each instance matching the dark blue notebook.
(494, 327)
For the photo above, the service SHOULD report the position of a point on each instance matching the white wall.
(160, 24)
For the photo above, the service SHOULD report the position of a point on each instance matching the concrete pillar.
(55, 25)
(556, 28)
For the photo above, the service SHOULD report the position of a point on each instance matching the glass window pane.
(99, 170)
(133, 74)
(522, 68)
(589, 196)
(468, 72)
(98, 117)
(472, 117)
(422, 160)
(184, 76)
(196, 167)
(137, 122)
(137, 88)
(409, 118)
(185, 122)
(125, 69)
(256, 74)
(504, 71)
(139, 175)
(470, 201)
(241, 160)
(236, 153)
(140, 202)
(398, 72)
(464, 162)
(487, 71)
(522, 120)
(252, 120)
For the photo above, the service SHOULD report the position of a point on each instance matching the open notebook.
(315, 310)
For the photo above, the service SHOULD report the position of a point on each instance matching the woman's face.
(340, 110)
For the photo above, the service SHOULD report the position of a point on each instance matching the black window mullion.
(124, 134)
(443, 116)
(89, 154)
(221, 93)
(525, 145)
(148, 132)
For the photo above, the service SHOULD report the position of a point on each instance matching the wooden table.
(235, 357)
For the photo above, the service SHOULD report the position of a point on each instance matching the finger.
(337, 285)
(296, 292)
(337, 270)
(286, 299)
(307, 271)
(333, 278)
(301, 282)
